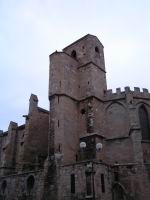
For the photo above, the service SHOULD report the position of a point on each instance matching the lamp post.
(98, 148)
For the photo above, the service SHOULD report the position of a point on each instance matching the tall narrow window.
(59, 148)
(102, 183)
(144, 122)
(30, 183)
(76, 157)
(88, 184)
(116, 176)
(3, 186)
(72, 183)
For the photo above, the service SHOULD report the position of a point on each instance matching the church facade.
(92, 144)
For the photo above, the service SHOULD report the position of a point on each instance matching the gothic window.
(72, 183)
(144, 123)
(30, 183)
(88, 184)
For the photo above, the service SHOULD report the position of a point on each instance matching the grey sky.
(30, 30)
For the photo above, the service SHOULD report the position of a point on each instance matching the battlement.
(136, 93)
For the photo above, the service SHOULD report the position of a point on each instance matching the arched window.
(96, 49)
(74, 54)
(30, 183)
(144, 123)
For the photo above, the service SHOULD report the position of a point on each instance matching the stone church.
(92, 144)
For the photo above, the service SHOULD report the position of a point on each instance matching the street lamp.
(82, 145)
(98, 147)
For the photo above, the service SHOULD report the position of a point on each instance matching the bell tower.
(76, 74)
(88, 51)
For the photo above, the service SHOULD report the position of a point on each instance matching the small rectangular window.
(102, 183)
(58, 123)
(72, 183)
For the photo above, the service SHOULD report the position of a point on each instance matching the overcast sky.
(30, 30)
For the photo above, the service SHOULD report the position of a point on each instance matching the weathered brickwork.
(93, 143)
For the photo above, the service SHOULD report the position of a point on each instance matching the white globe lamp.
(82, 145)
(99, 146)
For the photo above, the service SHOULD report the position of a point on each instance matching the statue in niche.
(90, 118)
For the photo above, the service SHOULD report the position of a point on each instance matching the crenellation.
(127, 89)
(118, 90)
(137, 93)
(144, 93)
(145, 90)
(136, 89)
(110, 95)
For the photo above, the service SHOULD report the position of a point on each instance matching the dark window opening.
(3, 186)
(72, 183)
(59, 148)
(76, 157)
(21, 143)
(116, 176)
(58, 123)
(58, 99)
(102, 183)
(4, 148)
(88, 82)
(30, 183)
(82, 111)
(74, 54)
(131, 101)
(88, 184)
(144, 122)
(96, 49)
